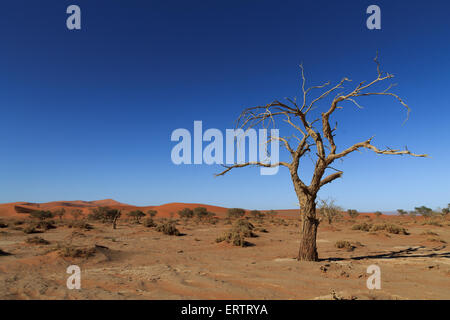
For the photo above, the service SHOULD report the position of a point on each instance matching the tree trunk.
(308, 248)
(115, 220)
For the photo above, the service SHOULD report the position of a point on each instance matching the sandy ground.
(141, 263)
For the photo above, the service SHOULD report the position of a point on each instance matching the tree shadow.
(4, 253)
(405, 253)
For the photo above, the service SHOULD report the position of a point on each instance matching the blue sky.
(88, 114)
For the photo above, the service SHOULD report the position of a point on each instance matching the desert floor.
(141, 263)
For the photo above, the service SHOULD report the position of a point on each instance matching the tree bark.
(308, 247)
(115, 220)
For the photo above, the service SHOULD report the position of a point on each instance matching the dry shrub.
(45, 225)
(362, 226)
(37, 240)
(168, 228)
(73, 252)
(245, 227)
(37, 227)
(80, 225)
(391, 228)
(339, 296)
(235, 213)
(344, 244)
(240, 230)
(436, 240)
(30, 229)
(279, 222)
(432, 223)
(149, 223)
(429, 233)
(77, 234)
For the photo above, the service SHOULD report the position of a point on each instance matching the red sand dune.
(21, 209)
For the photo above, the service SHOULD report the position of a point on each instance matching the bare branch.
(367, 144)
(286, 143)
(330, 178)
(261, 164)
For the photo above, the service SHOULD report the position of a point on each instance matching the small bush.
(168, 228)
(279, 222)
(186, 213)
(437, 240)
(73, 252)
(352, 213)
(149, 223)
(152, 213)
(30, 229)
(328, 210)
(137, 215)
(236, 213)
(429, 233)
(236, 239)
(80, 225)
(344, 244)
(200, 212)
(271, 213)
(240, 230)
(60, 213)
(41, 215)
(104, 214)
(362, 226)
(76, 213)
(245, 227)
(391, 228)
(37, 240)
(432, 223)
(424, 211)
(45, 225)
(257, 214)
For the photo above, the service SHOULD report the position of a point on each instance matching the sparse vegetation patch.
(37, 240)
(149, 223)
(391, 228)
(362, 226)
(240, 230)
(74, 252)
(168, 228)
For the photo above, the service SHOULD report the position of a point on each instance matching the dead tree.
(328, 210)
(116, 217)
(316, 141)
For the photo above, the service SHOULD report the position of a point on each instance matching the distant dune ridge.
(21, 209)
